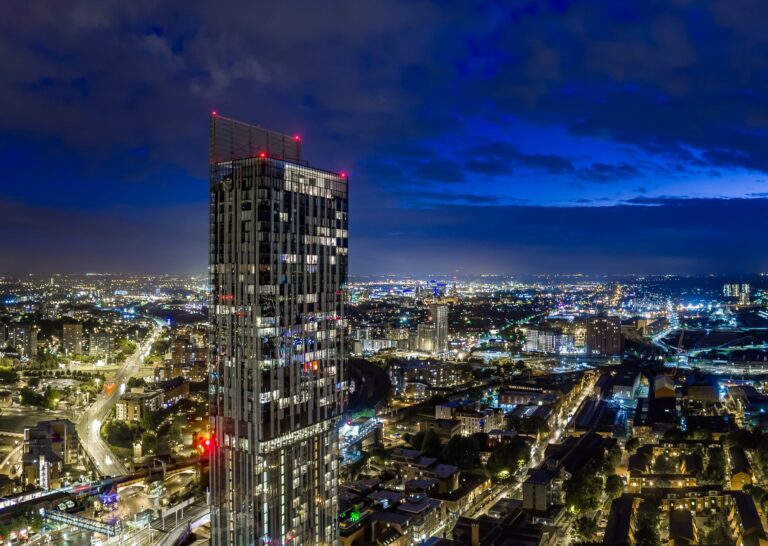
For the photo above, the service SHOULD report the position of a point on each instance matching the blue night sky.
(504, 137)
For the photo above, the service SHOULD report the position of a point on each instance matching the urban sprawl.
(478, 411)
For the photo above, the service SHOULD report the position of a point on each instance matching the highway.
(89, 423)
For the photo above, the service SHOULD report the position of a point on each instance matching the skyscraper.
(440, 320)
(278, 268)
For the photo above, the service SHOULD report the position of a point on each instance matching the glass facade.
(278, 268)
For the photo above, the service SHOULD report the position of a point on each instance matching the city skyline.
(514, 139)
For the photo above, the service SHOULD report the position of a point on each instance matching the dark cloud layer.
(646, 236)
(438, 109)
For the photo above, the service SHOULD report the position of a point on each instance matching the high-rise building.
(24, 340)
(278, 269)
(72, 338)
(101, 343)
(425, 340)
(603, 336)
(739, 291)
(440, 320)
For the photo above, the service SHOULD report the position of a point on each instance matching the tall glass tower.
(278, 270)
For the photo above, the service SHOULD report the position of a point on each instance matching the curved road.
(89, 423)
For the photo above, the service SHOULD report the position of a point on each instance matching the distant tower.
(440, 322)
(278, 271)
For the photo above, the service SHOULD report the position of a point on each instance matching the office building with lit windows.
(603, 336)
(278, 269)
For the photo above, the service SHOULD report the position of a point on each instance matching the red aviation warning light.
(204, 443)
(262, 154)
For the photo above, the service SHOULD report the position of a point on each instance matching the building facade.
(24, 340)
(101, 343)
(72, 338)
(138, 402)
(278, 269)
(603, 336)
(543, 339)
(49, 447)
(439, 315)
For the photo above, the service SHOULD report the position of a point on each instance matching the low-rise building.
(742, 515)
(174, 390)
(749, 403)
(136, 403)
(741, 470)
(408, 522)
(477, 421)
(411, 464)
(49, 448)
(516, 528)
(444, 428)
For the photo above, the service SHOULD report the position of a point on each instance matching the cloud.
(674, 235)
(499, 157)
(439, 170)
(110, 103)
(604, 173)
(434, 198)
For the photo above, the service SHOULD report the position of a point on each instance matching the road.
(13, 457)
(89, 424)
(513, 490)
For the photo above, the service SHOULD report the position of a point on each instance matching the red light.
(343, 174)
(296, 137)
(262, 154)
(207, 443)
(213, 113)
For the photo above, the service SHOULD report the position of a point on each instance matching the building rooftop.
(145, 395)
(739, 460)
(620, 520)
(444, 470)
(748, 514)
(418, 505)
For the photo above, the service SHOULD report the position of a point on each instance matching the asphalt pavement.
(89, 424)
